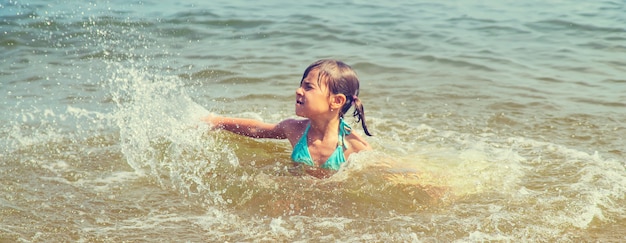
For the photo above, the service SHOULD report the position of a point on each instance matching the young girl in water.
(322, 141)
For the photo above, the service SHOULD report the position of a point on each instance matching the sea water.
(493, 121)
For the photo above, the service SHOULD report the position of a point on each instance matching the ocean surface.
(499, 121)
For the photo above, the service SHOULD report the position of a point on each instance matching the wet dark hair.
(340, 79)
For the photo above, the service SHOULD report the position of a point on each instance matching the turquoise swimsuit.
(301, 153)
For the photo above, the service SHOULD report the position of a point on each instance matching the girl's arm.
(247, 127)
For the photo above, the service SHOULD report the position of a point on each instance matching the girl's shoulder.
(357, 142)
(294, 124)
(293, 128)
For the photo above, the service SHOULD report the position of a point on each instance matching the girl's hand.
(208, 119)
(206, 122)
(211, 121)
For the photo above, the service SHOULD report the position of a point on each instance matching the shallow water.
(492, 121)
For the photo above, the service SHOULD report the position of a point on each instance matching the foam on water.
(160, 134)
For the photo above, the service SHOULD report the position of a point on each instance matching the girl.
(322, 141)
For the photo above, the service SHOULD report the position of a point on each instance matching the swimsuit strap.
(344, 129)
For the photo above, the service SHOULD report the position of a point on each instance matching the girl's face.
(312, 99)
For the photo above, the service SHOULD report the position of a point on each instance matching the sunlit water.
(492, 121)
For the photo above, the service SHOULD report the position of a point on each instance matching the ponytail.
(359, 113)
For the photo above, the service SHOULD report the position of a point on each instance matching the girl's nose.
(299, 91)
